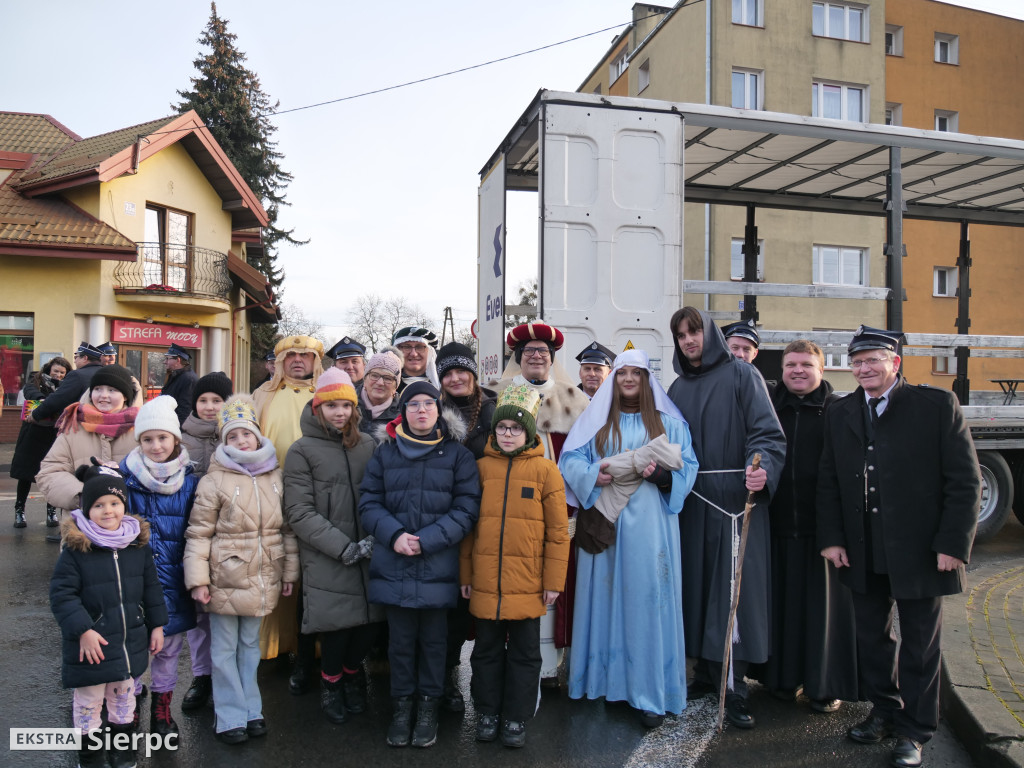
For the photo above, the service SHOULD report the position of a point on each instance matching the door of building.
(147, 365)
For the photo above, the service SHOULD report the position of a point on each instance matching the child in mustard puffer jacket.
(513, 565)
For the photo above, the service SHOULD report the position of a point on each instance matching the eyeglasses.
(381, 377)
(503, 429)
(535, 352)
(421, 405)
(872, 361)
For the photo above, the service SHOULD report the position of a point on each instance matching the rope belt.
(734, 518)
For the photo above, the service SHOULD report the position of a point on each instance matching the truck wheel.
(1018, 491)
(996, 494)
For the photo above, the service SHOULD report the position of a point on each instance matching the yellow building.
(139, 236)
(837, 59)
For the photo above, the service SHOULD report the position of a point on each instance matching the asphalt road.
(564, 733)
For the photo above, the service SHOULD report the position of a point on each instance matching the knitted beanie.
(388, 359)
(119, 378)
(334, 384)
(518, 403)
(158, 413)
(417, 388)
(99, 480)
(217, 382)
(238, 411)
(455, 355)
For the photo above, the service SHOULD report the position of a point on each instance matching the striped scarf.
(91, 419)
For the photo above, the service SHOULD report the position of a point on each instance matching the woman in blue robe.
(627, 640)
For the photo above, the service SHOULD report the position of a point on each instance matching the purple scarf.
(101, 537)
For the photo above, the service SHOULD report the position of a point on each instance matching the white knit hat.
(158, 413)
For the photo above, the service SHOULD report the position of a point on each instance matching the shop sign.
(156, 334)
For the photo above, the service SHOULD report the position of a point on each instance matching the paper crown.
(520, 397)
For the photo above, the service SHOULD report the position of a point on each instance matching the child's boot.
(19, 514)
(513, 733)
(425, 732)
(198, 693)
(122, 756)
(160, 720)
(452, 699)
(91, 755)
(52, 521)
(332, 700)
(354, 689)
(400, 730)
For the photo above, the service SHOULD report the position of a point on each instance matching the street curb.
(981, 722)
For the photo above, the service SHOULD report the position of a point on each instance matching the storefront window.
(16, 352)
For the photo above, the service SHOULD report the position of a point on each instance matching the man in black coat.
(181, 379)
(74, 385)
(898, 495)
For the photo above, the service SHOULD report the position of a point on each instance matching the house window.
(837, 361)
(644, 75)
(947, 48)
(16, 353)
(944, 365)
(838, 101)
(597, 90)
(945, 281)
(736, 259)
(166, 249)
(893, 114)
(839, 265)
(749, 12)
(844, 21)
(618, 67)
(747, 90)
(946, 121)
(893, 40)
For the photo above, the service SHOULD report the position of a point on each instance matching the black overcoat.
(929, 482)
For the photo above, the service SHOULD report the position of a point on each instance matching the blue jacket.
(435, 497)
(167, 516)
(115, 592)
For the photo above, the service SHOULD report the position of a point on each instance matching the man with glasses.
(418, 346)
(898, 497)
(533, 347)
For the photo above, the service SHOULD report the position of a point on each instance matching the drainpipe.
(707, 100)
(234, 332)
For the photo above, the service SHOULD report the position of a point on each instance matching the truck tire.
(1018, 491)
(996, 494)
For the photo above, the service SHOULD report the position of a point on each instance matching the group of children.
(389, 532)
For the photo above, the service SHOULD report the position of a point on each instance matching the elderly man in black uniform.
(595, 365)
(181, 379)
(742, 339)
(898, 495)
(348, 354)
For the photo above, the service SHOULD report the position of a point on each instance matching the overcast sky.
(385, 185)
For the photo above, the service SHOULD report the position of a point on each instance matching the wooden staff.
(727, 653)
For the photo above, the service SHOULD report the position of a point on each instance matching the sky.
(385, 185)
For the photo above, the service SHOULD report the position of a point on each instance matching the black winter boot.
(52, 520)
(19, 514)
(301, 678)
(138, 706)
(425, 732)
(160, 720)
(452, 699)
(90, 756)
(121, 757)
(400, 730)
(354, 689)
(332, 701)
(198, 693)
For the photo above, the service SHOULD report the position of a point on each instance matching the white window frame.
(823, 12)
(818, 88)
(736, 253)
(618, 67)
(755, 89)
(946, 121)
(945, 282)
(944, 366)
(844, 252)
(893, 114)
(947, 48)
(837, 361)
(893, 40)
(741, 13)
(643, 75)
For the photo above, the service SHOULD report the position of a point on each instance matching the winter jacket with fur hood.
(520, 546)
(237, 543)
(321, 492)
(70, 450)
(435, 497)
(115, 592)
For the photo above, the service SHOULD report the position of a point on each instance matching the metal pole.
(750, 250)
(962, 385)
(895, 249)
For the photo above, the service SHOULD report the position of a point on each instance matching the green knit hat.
(518, 403)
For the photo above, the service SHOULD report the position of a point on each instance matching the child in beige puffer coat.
(239, 557)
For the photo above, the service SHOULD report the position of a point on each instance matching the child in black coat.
(107, 599)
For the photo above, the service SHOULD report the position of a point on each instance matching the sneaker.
(52, 520)
(424, 733)
(234, 736)
(513, 733)
(160, 720)
(487, 728)
(826, 706)
(256, 728)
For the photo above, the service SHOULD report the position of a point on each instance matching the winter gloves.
(357, 550)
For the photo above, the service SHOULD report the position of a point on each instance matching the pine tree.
(228, 98)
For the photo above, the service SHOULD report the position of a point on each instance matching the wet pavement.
(982, 647)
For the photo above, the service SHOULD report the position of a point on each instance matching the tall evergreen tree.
(228, 98)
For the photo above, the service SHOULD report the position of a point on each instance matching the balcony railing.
(169, 269)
